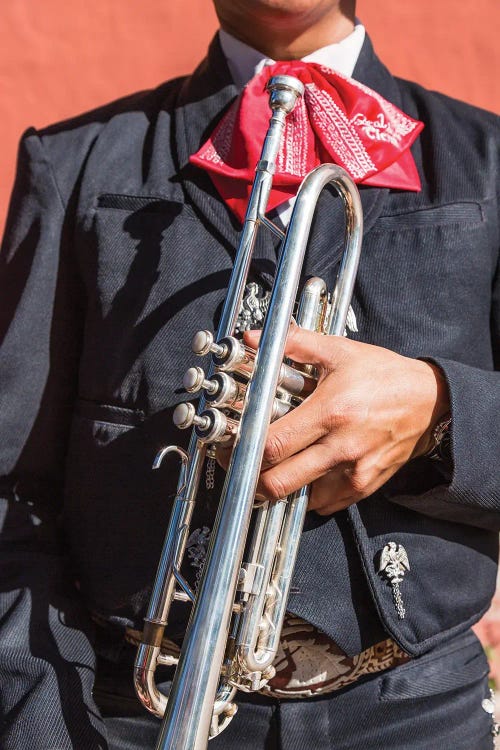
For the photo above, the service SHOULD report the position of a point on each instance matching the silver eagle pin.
(393, 565)
(253, 308)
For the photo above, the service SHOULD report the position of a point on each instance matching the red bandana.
(338, 119)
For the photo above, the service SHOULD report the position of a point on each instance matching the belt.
(308, 662)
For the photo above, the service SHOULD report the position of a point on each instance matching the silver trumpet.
(237, 613)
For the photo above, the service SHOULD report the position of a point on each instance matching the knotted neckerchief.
(338, 119)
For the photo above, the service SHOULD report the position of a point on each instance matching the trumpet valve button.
(203, 343)
(193, 379)
(185, 416)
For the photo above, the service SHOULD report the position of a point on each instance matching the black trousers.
(431, 703)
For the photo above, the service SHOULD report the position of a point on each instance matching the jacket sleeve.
(47, 662)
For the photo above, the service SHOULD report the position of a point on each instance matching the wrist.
(438, 413)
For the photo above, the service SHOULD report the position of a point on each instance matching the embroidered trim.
(294, 152)
(219, 147)
(339, 134)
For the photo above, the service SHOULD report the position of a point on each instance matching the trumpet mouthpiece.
(284, 92)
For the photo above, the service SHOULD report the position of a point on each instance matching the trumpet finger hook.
(183, 455)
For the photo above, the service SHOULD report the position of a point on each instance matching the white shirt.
(244, 63)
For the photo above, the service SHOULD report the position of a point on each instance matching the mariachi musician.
(118, 248)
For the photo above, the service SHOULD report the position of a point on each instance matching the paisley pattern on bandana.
(338, 119)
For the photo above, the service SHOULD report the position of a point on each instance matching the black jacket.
(116, 252)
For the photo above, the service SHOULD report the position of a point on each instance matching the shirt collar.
(244, 62)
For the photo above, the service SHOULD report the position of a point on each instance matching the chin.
(286, 7)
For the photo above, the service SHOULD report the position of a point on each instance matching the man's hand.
(372, 411)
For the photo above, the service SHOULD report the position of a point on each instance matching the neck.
(283, 36)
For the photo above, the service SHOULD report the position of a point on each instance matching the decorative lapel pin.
(393, 565)
(253, 308)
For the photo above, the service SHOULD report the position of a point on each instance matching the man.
(117, 250)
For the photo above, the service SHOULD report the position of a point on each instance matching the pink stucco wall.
(58, 57)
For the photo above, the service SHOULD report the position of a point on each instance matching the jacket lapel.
(327, 244)
(203, 100)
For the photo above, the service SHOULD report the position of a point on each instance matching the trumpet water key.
(237, 612)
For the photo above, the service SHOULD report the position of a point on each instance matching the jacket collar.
(203, 99)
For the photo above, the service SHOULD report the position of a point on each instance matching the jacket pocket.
(468, 213)
(424, 283)
(116, 507)
(151, 204)
(450, 667)
(108, 414)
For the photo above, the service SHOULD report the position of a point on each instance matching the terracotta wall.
(58, 57)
